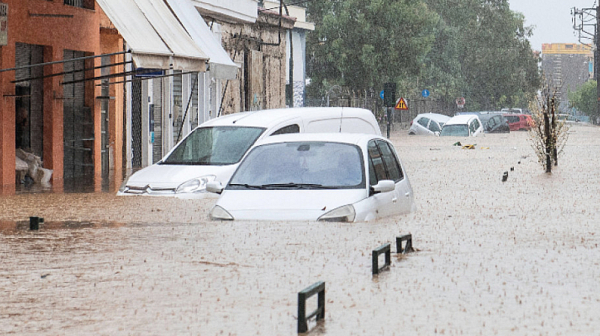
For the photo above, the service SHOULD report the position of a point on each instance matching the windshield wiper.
(249, 186)
(297, 185)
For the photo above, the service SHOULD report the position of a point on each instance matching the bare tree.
(549, 134)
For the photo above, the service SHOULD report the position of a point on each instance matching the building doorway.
(78, 124)
(29, 118)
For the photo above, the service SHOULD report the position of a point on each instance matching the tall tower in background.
(566, 67)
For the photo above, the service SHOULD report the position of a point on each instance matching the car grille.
(148, 190)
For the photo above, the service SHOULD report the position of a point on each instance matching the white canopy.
(221, 65)
(154, 35)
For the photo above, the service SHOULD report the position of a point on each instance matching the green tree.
(478, 49)
(487, 57)
(585, 98)
(361, 44)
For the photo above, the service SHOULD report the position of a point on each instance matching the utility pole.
(586, 22)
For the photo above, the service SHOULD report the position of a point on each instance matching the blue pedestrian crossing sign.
(425, 93)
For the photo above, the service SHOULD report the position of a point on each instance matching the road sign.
(460, 102)
(381, 94)
(425, 93)
(401, 104)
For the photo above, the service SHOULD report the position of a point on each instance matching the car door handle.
(394, 199)
(407, 194)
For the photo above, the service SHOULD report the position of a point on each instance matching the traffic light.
(389, 94)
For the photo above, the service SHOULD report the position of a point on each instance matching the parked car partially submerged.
(462, 125)
(427, 124)
(519, 122)
(213, 150)
(492, 121)
(325, 177)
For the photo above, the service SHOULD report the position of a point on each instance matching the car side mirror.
(215, 187)
(383, 186)
(437, 133)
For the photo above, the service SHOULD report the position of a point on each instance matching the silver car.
(427, 124)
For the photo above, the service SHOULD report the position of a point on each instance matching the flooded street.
(493, 258)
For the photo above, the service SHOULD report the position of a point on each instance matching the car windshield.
(217, 146)
(301, 165)
(512, 119)
(455, 130)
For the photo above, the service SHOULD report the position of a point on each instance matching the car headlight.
(218, 213)
(344, 213)
(194, 185)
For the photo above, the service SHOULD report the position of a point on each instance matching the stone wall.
(259, 49)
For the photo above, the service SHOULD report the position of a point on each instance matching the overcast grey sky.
(551, 18)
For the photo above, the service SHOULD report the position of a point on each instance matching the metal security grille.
(78, 121)
(157, 93)
(136, 123)
(177, 105)
(104, 115)
(186, 110)
(88, 4)
(74, 3)
(193, 112)
(29, 100)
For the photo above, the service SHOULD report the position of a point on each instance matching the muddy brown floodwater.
(494, 258)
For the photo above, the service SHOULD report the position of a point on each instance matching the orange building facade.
(74, 125)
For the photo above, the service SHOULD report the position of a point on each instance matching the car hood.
(286, 204)
(171, 176)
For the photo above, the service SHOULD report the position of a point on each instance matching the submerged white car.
(213, 150)
(325, 177)
(463, 125)
(427, 124)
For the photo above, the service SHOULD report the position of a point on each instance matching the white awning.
(154, 35)
(221, 65)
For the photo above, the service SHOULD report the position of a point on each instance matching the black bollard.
(505, 176)
(34, 223)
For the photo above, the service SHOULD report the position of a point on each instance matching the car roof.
(435, 116)
(350, 138)
(461, 119)
(273, 117)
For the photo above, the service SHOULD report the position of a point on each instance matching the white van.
(213, 150)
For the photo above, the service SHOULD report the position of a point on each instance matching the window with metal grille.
(87, 4)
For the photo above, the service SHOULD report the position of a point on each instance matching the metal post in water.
(389, 121)
(34, 223)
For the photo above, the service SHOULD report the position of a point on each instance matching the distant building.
(295, 52)
(567, 66)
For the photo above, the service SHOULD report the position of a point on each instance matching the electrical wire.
(292, 4)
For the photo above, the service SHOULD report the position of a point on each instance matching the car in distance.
(427, 124)
(492, 121)
(519, 122)
(212, 151)
(316, 177)
(463, 125)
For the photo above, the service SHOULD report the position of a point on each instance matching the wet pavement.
(493, 258)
